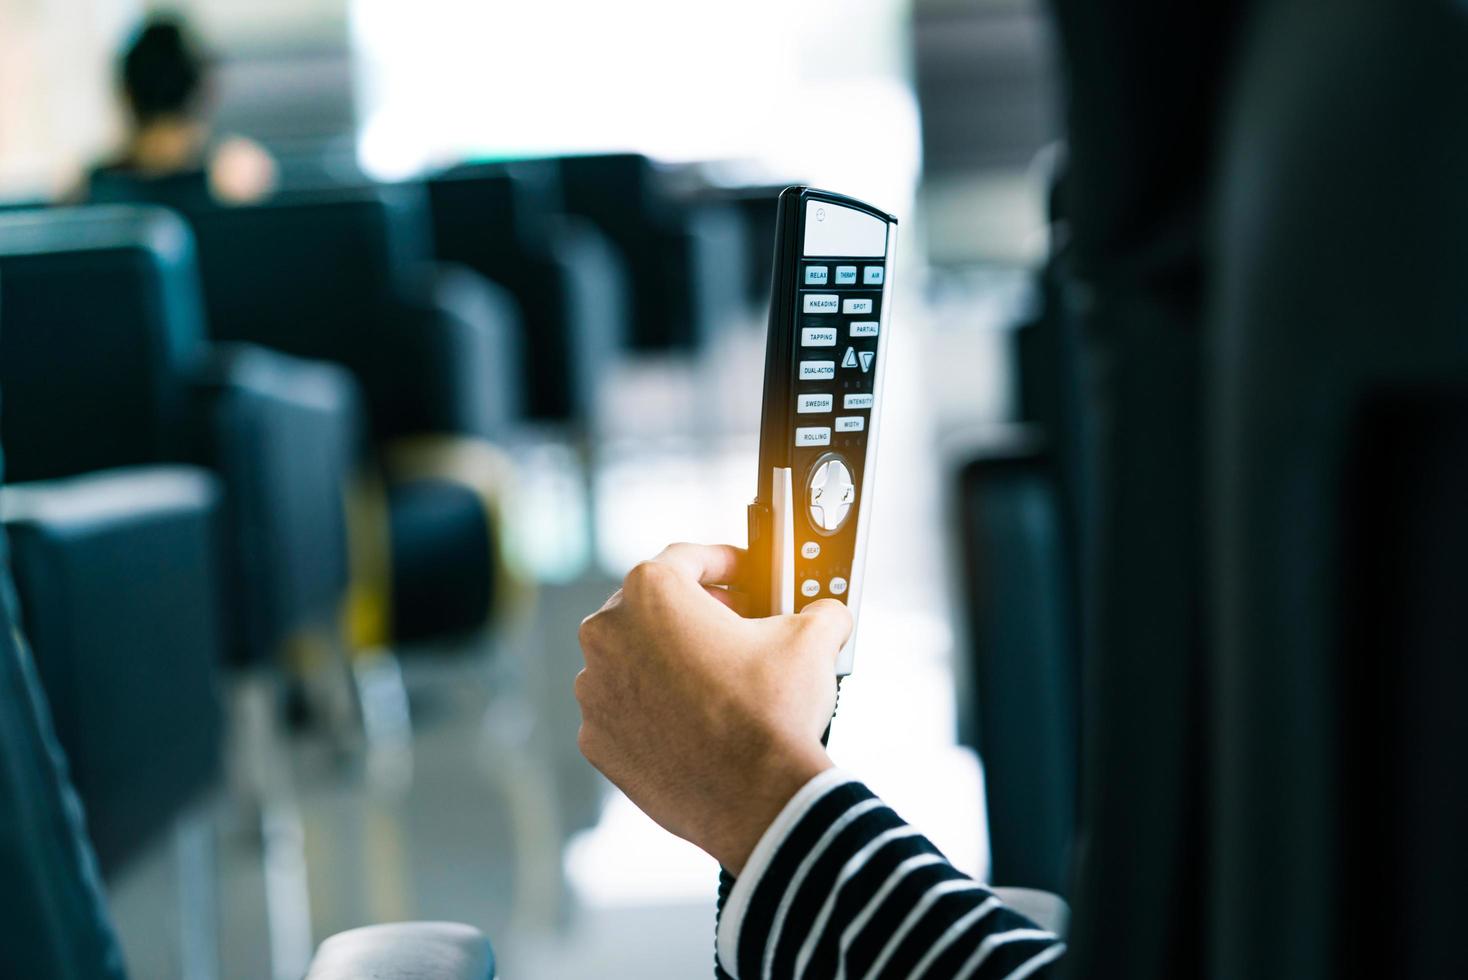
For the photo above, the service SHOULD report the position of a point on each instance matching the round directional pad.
(832, 492)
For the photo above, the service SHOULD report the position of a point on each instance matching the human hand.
(708, 721)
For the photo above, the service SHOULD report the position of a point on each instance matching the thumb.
(825, 625)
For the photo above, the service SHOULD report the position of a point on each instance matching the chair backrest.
(54, 923)
(102, 321)
(1340, 477)
(311, 272)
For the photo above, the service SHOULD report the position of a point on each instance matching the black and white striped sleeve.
(839, 886)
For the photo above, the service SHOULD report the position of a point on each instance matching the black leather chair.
(506, 222)
(686, 258)
(54, 923)
(346, 275)
(105, 363)
(1338, 450)
(119, 593)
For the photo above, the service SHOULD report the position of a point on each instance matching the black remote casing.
(824, 364)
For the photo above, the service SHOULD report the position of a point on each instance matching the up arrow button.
(849, 361)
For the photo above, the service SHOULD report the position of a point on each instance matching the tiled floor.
(500, 823)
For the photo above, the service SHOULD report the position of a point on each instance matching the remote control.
(822, 401)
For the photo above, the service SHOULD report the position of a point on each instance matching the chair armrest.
(405, 951)
(1044, 909)
(282, 433)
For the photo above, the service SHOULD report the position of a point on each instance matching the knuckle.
(647, 575)
(589, 633)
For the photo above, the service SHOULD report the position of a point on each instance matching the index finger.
(706, 564)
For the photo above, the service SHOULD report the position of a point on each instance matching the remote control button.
(848, 360)
(811, 549)
(846, 275)
(851, 305)
(806, 404)
(812, 435)
(818, 336)
(857, 401)
(832, 493)
(817, 370)
(872, 275)
(864, 328)
(851, 423)
(810, 588)
(815, 275)
(824, 303)
(838, 586)
(867, 357)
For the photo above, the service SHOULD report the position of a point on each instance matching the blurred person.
(170, 154)
(712, 723)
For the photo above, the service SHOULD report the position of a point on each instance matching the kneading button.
(832, 492)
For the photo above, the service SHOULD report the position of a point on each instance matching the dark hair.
(163, 70)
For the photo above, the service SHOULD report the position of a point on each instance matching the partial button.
(864, 328)
(857, 401)
(872, 275)
(837, 586)
(810, 588)
(846, 275)
(832, 493)
(811, 549)
(809, 404)
(812, 435)
(817, 370)
(851, 423)
(818, 336)
(815, 275)
(852, 305)
(823, 303)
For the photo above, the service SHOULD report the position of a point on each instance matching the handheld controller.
(824, 363)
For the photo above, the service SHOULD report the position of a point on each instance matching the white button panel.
(854, 305)
(812, 435)
(832, 493)
(851, 423)
(825, 303)
(806, 404)
(818, 336)
(873, 275)
(857, 401)
(810, 588)
(817, 370)
(846, 275)
(815, 275)
(811, 549)
(838, 586)
(864, 328)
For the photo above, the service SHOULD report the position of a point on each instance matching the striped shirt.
(840, 887)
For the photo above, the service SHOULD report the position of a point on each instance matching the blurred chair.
(346, 276)
(1339, 455)
(1018, 682)
(104, 363)
(686, 259)
(119, 593)
(54, 922)
(505, 221)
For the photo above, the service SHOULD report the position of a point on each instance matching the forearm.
(840, 885)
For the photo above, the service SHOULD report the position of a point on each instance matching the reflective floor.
(487, 814)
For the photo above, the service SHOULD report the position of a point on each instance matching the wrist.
(765, 791)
